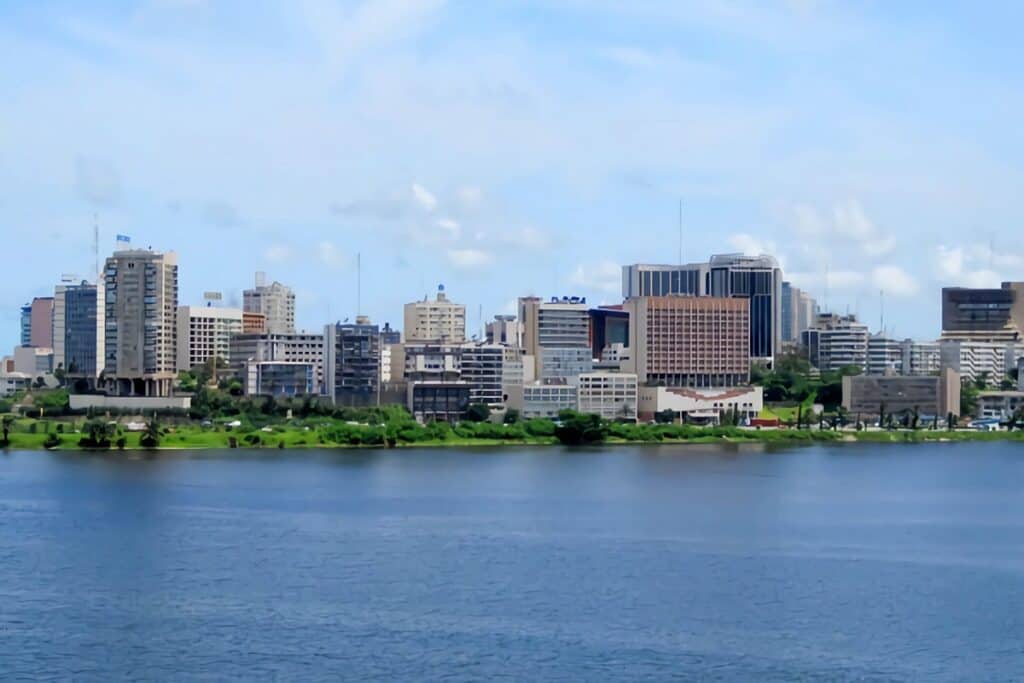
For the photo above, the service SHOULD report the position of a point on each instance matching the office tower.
(505, 329)
(759, 279)
(609, 326)
(141, 310)
(298, 347)
(985, 362)
(682, 341)
(278, 378)
(26, 325)
(57, 324)
(352, 363)
(389, 340)
(612, 395)
(275, 301)
(83, 334)
(482, 368)
(799, 310)
(643, 279)
(885, 355)
(556, 334)
(439, 320)
(205, 332)
(835, 342)
(984, 315)
(920, 358)
(40, 322)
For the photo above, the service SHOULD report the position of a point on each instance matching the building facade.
(980, 361)
(700, 405)
(83, 332)
(612, 395)
(557, 334)
(759, 280)
(438, 401)
(799, 311)
(205, 332)
(279, 378)
(483, 368)
(987, 315)
(642, 279)
(275, 302)
(681, 341)
(439, 320)
(300, 347)
(140, 323)
(352, 363)
(505, 329)
(885, 355)
(870, 395)
(835, 342)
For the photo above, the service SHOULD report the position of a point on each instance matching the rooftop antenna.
(359, 284)
(680, 232)
(96, 244)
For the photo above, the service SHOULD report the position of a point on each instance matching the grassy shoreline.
(301, 439)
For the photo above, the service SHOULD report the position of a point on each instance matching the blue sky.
(511, 148)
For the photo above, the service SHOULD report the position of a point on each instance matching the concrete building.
(12, 382)
(57, 324)
(920, 358)
(557, 334)
(505, 329)
(869, 395)
(542, 399)
(483, 368)
(978, 360)
(275, 301)
(279, 378)
(83, 333)
(41, 322)
(253, 323)
(140, 323)
(682, 341)
(700, 405)
(299, 347)
(426, 362)
(998, 405)
(352, 363)
(836, 341)
(611, 395)
(885, 355)
(205, 332)
(799, 311)
(35, 361)
(439, 320)
(643, 279)
(438, 401)
(985, 315)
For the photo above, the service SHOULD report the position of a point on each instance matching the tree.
(982, 380)
(512, 416)
(7, 422)
(580, 429)
(151, 437)
(96, 434)
(881, 414)
(968, 398)
(665, 417)
(478, 412)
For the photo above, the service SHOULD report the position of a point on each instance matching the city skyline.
(539, 168)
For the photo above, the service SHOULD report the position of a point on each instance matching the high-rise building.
(609, 326)
(205, 332)
(253, 323)
(921, 358)
(140, 318)
(986, 315)
(835, 342)
(298, 347)
(482, 368)
(556, 334)
(799, 311)
(83, 333)
(57, 323)
(439, 320)
(40, 322)
(352, 363)
(505, 329)
(275, 301)
(26, 325)
(885, 355)
(759, 279)
(684, 341)
(980, 361)
(642, 279)
(612, 395)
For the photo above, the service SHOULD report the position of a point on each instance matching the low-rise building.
(836, 342)
(301, 347)
(706, 405)
(999, 405)
(542, 399)
(980, 361)
(611, 395)
(279, 378)
(11, 382)
(205, 332)
(33, 360)
(902, 394)
(434, 401)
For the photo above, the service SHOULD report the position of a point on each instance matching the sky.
(513, 147)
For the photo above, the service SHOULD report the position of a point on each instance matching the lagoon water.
(857, 562)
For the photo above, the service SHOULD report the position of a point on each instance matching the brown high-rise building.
(683, 341)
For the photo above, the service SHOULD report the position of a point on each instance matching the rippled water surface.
(855, 562)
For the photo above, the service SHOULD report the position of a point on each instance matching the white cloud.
(276, 253)
(424, 197)
(894, 280)
(450, 226)
(834, 280)
(752, 246)
(846, 223)
(469, 259)
(975, 266)
(469, 197)
(529, 238)
(329, 254)
(605, 276)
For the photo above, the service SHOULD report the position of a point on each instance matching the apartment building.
(275, 302)
(299, 347)
(837, 341)
(352, 363)
(205, 332)
(439, 320)
(611, 395)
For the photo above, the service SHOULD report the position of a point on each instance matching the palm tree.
(151, 437)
